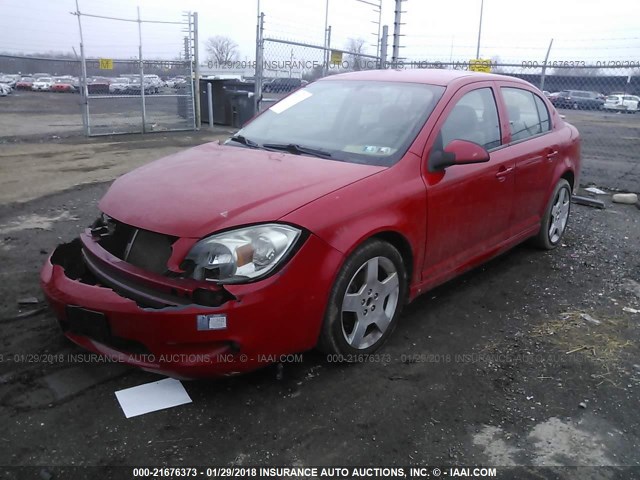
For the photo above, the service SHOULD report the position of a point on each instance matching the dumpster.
(220, 90)
(242, 108)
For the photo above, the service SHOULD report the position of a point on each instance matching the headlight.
(241, 255)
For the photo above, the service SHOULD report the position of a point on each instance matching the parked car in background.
(282, 85)
(154, 81)
(98, 85)
(578, 99)
(622, 102)
(134, 87)
(5, 90)
(25, 83)
(9, 80)
(42, 84)
(63, 85)
(329, 211)
(119, 85)
(179, 82)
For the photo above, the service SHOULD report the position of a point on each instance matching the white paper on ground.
(151, 397)
(595, 190)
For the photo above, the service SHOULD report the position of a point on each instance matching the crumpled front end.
(117, 291)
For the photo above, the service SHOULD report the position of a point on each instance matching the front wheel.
(366, 300)
(556, 217)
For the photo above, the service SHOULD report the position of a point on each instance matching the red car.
(316, 222)
(63, 85)
(24, 83)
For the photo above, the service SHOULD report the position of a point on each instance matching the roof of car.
(431, 76)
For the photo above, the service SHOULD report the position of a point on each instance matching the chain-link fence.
(137, 95)
(288, 65)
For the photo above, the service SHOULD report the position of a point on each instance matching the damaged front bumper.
(182, 327)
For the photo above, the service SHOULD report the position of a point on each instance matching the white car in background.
(119, 85)
(5, 89)
(622, 102)
(42, 84)
(155, 82)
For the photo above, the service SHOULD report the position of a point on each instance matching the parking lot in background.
(610, 140)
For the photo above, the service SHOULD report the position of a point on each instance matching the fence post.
(196, 59)
(144, 109)
(259, 70)
(84, 91)
(328, 52)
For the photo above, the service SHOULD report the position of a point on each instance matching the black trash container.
(242, 108)
(222, 91)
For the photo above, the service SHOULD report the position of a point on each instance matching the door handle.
(503, 172)
(552, 154)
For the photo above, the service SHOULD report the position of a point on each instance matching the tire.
(556, 217)
(366, 300)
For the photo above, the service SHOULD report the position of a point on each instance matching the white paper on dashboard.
(151, 397)
(290, 101)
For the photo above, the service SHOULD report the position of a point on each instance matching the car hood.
(214, 187)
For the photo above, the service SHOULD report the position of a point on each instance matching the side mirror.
(458, 152)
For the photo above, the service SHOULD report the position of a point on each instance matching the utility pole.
(383, 46)
(480, 29)
(395, 54)
(544, 65)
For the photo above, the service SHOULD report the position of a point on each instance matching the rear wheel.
(556, 217)
(366, 300)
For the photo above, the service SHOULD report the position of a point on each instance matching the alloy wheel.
(370, 302)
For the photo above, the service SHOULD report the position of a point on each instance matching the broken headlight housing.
(241, 255)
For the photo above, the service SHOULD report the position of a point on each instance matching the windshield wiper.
(297, 149)
(244, 141)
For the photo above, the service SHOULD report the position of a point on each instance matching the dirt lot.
(498, 367)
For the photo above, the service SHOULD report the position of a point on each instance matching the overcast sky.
(513, 30)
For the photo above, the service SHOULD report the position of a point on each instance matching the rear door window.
(527, 116)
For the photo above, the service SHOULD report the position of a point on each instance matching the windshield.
(356, 121)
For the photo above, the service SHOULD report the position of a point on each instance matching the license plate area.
(88, 323)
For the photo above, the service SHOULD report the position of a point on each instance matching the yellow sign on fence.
(106, 64)
(480, 65)
(336, 56)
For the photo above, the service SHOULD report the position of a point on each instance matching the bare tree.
(356, 47)
(496, 65)
(221, 49)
